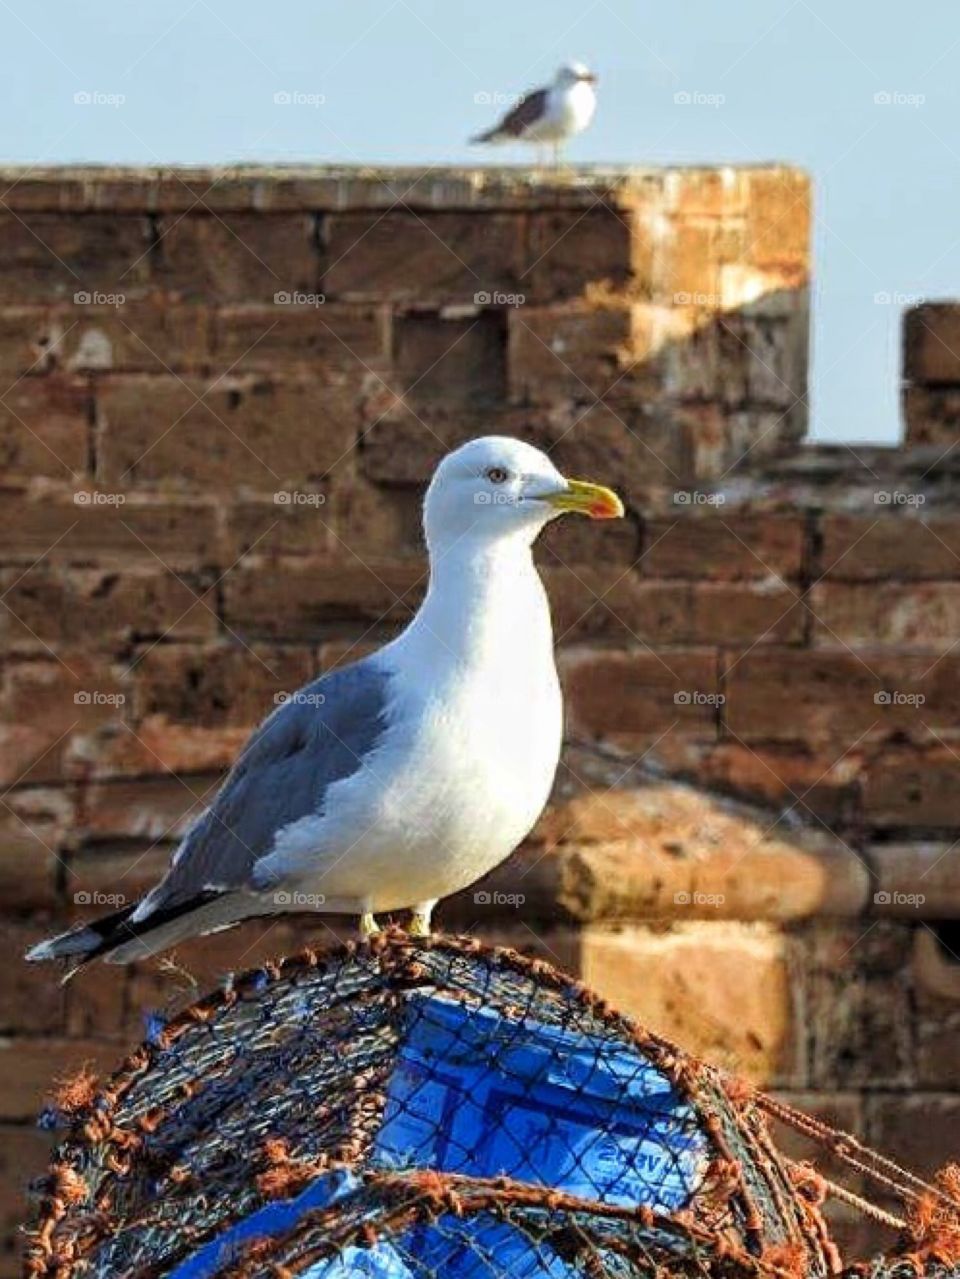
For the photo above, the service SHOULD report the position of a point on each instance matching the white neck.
(484, 599)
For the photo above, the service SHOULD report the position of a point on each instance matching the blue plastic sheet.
(483, 1095)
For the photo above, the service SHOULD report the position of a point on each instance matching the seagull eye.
(497, 475)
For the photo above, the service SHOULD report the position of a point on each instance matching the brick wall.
(210, 491)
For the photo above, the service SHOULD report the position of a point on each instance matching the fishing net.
(422, 1107)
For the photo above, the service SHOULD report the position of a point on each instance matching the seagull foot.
(368, 925)
(420, 919)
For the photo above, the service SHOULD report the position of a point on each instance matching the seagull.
(552, 114)
(404, 777)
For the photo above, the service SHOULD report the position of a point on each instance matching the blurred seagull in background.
(552, 114)
(390, 783)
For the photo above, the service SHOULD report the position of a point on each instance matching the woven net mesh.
(410, 1107)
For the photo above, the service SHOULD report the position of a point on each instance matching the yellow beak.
(587, 499)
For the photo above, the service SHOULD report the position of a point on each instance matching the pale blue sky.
(399, 79)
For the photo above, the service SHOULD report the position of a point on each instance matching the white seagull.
(390, 783)
(552, 114)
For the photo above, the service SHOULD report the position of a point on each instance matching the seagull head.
(497, 487)
(574, 73)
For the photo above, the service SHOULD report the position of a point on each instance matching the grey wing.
(321, 735)
(527, 112)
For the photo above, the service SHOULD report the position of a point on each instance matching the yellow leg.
(420, 922)
(368, 924)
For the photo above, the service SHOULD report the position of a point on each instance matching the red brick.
(626, 448)
(41, 711)
(32, 998)
(576, 541)
(720, 544)
(857, 979)
(50, 604)
(157, 809)
(45, 427)
(156, 746)
(303, 599)
(150, 336)
(631, 696)
(239, 257)
(913, 788)
(292, 522)
(376, 521)
(28, 342)
(24, 1155)
(612, 603)
(290, 337)
(920, 616)
(216, 686)
(931, 344)
(249, 430)
(574, 350)
(429, 257)
(922, 1131)
(931, 416)
(567, 250)
(450, 359)
(35, 823)
(804, 696)
(902, 544)
(57, 255)
(73, 526)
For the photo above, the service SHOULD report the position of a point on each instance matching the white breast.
(466, 766)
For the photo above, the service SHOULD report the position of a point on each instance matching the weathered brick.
(856, 977)
(699, 997)
(936, 986)
(921, 1131)
(24, 1155)
(840, 694)
(59, 255)
(246, 429)
(303, 599)
(567, 250)
(29, 341)
(291, 522)
(716, 543)
(149, 336)
(49, 603)
(921, 616)
(73, 526)
(915, 880)
(931, 344)
(239, 257)
(216, 686)
(931, 415)
(156, 809)
(30, 1002)
(441, 358)
(282, 337)
(907, 787)
(35, 823)
(636, 696)
(778, 221)
(896, 543)
(568, 350)
(429, 257)
(45, 700)
(589, 602)
(155, 747)
(45, 427)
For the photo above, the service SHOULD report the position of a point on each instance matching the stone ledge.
(328, 188)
